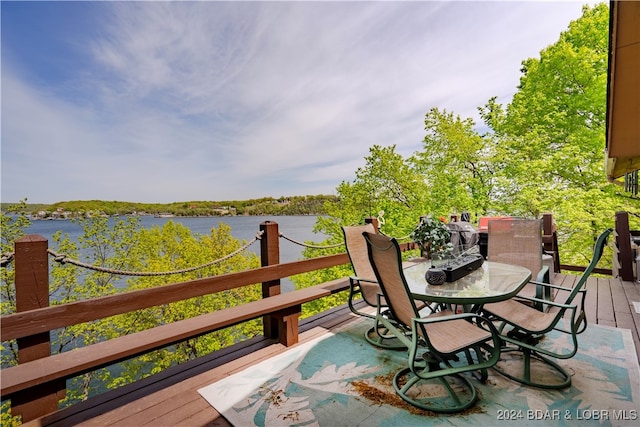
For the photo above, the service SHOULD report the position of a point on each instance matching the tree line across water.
(290, 205)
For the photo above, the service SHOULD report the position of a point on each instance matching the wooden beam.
(32, 292)
(85, 359)
(623, 243)
(49, 318)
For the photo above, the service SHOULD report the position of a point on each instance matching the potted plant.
(433, 236)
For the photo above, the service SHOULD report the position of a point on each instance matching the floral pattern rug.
(341, 380)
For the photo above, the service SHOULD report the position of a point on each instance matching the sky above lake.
(181, 101)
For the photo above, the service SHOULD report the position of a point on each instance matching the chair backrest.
(598, 249)
(357, 250)
(386, 260)
(516, 241)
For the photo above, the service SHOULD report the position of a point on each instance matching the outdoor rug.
(341, 380)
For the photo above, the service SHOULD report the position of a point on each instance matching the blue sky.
(178, 101)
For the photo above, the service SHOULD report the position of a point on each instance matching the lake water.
(298, 228)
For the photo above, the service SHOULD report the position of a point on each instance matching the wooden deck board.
(188, 404)
(172, 398)
(605, 302)
(164, 401)
(619, 299)
(591, 301)
(632, 294)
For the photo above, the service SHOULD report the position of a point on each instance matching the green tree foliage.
(6, 420)
(457, 164)
(388, 187)
(553, 135)
(541, 153)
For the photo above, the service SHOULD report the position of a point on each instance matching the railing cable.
(63, 259)
(6, 258)
(329, 246)
(309, 245)
(408, 236)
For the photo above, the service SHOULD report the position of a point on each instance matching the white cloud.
(227, 100)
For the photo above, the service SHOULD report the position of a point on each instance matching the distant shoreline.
(282, 206)
(174, 216)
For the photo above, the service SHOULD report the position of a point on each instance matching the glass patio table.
(491, 282)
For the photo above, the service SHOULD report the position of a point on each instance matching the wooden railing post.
(623, 246)
(270, 255)
(550, 240)
(374, 221)
(32, 292)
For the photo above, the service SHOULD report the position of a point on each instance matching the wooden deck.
(171, 398)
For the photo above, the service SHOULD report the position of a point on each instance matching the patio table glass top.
(491, 282)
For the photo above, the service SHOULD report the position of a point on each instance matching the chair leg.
(523, 364)
(445, 394)
(380, 336)
(481, 374)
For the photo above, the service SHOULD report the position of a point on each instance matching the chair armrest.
(546, 302)
(360, 279)
(565, 289)
(543, 275)
(542, 291)
(551, 285)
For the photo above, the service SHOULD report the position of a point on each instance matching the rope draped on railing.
(309, 245)
(399, 239)
(408, 236)
(7, 257)
(63, 259)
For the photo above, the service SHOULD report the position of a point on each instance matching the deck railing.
(624, 255)
(38, 382)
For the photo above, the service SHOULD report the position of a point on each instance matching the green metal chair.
(441, 346)
(518, 241)
(522, 328)
(365, 284)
